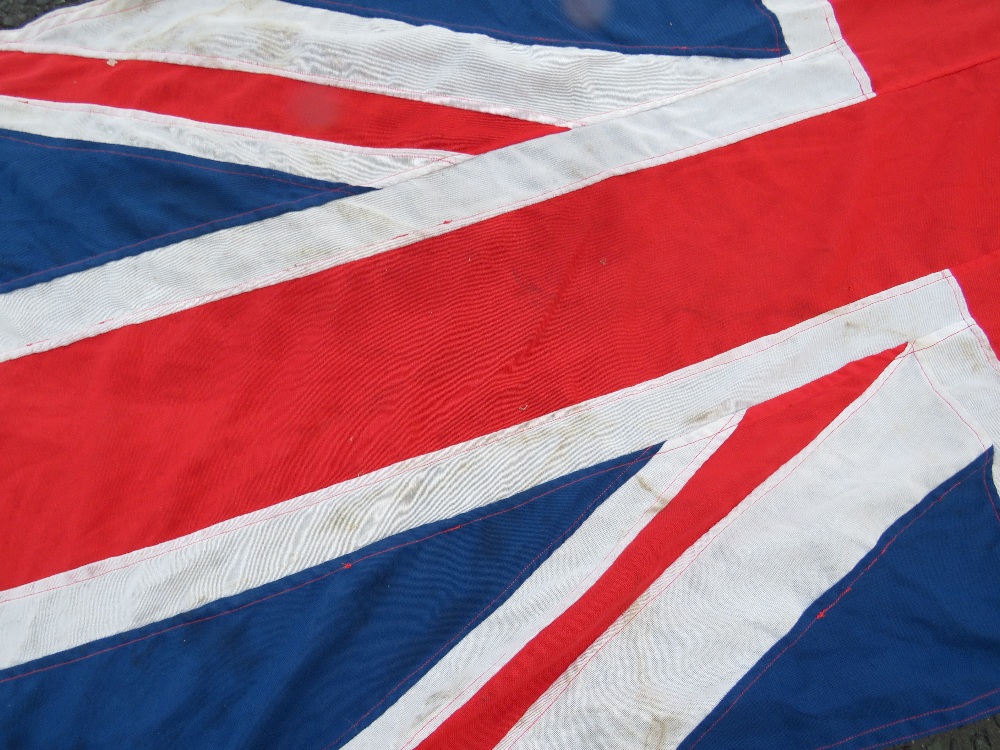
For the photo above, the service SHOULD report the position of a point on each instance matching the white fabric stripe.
(658, 671)
(336, 162)
(104, 598)
(559, 582)
(560, 85)
(231, 261)
(963, 362)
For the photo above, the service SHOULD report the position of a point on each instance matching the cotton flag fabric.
(425, 375)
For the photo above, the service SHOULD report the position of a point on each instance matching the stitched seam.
(669, 487)
(111, 150)
(509, 586)
(571, 597)
(416, 94)
(424, 233)
(345, 566)
(777, 36)
(910, 718)
(517, 432)
(823, 612)
(740, 513)
(946, 401)
(989, 356)
(753, 72)
(89, 259)
(989, 494)
(611, 45)
(821, 615)
(840, 43)
(83, 16)
(650, 104)
(262, 281)
(271, 136)
(483, 105)
(938, 729)
(361, 155)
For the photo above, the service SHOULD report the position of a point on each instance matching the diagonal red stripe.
(156, 430)
(769, 436)
(261, 102)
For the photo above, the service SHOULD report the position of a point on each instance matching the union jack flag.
(426, 375)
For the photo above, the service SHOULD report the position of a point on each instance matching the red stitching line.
(218, 127)
(600, 564)
(843, 54)
(988, 354)
(989, 494)
(849, 412)
(822, 613)
(272, 136)
(754, 71)
(112, 150)
(946, 401)
(938, 729)
(413, 153)
(105, 254)
(956, 289)
(706, 447)
(345, 491)
(516, 432)
(346, 566)
(774, 26)
(508, 587)
(278, 138)
(909, 718)
(416, 94)
(422, 233)
(84, 17)
(437, 22)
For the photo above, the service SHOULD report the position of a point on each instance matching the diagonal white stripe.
(557, 85)
(101, 599)
(227, 262)
(665, 664)
(336, 162)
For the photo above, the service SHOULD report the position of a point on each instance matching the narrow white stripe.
(151, 584)
(560, 85)
(658, 671)
(335, 162)
(963, 362)
(230, 261)
(559, 582)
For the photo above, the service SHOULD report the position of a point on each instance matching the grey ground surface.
(982, 735)
(14, 13)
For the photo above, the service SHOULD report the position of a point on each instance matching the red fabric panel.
(905, 42)
(980, 282)
(155, 430)
(770, 435)
(310, 110)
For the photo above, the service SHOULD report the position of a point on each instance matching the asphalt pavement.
(14, 13)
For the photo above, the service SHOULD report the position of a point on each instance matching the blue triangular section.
(308, 661)
(716, 28)
(67, 205)
(906, 645)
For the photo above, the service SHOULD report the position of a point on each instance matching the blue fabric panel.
(907, 644)
(717, 28)
(309, 661)
(67, 205)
